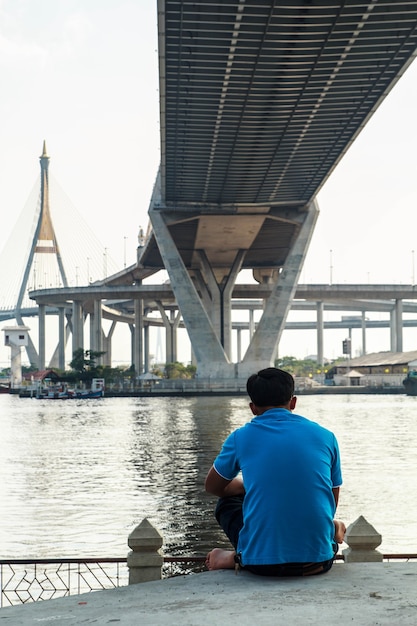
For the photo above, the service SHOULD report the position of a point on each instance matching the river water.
(78, 476)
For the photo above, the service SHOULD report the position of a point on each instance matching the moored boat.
(63, 392)
(86, 393)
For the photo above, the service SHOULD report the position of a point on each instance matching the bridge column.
(251, 324)
(107, 344)
(396, 330)
(61, 338)
(41, 363)
(262, 348)
(138, 337)
(77, 326)
(171, 326)
(320, 354)
(211, 357)
(392, 330)
(226, 303)
(239, 344)
(399, 325)
(220, 289)
(363, 333)
(210, 294)
(96, 333)
(146, 347)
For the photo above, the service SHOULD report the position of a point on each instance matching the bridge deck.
(259, 102)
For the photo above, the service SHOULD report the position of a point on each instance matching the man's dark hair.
(270, 387)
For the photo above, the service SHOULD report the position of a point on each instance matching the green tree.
(83, 365)
(296, 367)
(179, 370)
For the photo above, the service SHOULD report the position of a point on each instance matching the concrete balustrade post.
(145, 560)
(362, 539)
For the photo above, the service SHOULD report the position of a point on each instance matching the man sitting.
(279, 512)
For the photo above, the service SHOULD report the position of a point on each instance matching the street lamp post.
(105, 263)
(331, 268)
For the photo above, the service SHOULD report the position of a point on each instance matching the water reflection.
(78, 476)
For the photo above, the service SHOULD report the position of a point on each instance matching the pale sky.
(83, 75)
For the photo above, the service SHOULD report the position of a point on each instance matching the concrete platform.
(357, 593)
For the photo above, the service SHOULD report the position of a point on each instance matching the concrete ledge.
(357, 593)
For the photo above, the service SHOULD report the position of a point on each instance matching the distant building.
(371, 370)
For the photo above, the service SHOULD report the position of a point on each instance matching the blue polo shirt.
(289, 466)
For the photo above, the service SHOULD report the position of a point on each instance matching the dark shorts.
(289, 569)
(229, 516)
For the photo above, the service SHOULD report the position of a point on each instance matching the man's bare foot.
(220, 559)
(339, 531)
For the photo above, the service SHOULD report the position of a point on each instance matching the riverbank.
(185, 390)
(351, 593)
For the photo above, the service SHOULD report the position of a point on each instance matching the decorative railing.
(24, 581)
(43, 579)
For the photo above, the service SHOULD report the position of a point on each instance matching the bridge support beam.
(62, 340)
(96, 332)
(146, 348)
(320, 351)
(398, 326)
(220, 297)
(210, 354)
(263, 346)
(171, 327)
(137, 359)
(211, 350)
(107, 344)
(363, 333)
(64, 328)
(42, 311)
(77, 326)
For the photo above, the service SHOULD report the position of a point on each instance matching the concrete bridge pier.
(41, 321)
(399, 325)
(62, 338)
(211, 357)
(320, 352)
(146, 363)
(137, 337)
(212, 342)
(396, 326)
(363, 332)
(216, 287)
(263, 347)
(64, 328)
(107, 345)
(171, 324)
(96, 332)
(77, 326)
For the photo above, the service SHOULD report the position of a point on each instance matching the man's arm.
(336, 491)
(219, 486)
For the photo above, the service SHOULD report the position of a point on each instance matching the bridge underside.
(259, 102)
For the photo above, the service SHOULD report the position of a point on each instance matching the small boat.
(86, 393)
(63, 392)
(4, 388)
(53, 393)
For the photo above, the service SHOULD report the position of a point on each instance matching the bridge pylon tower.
(44, 243)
